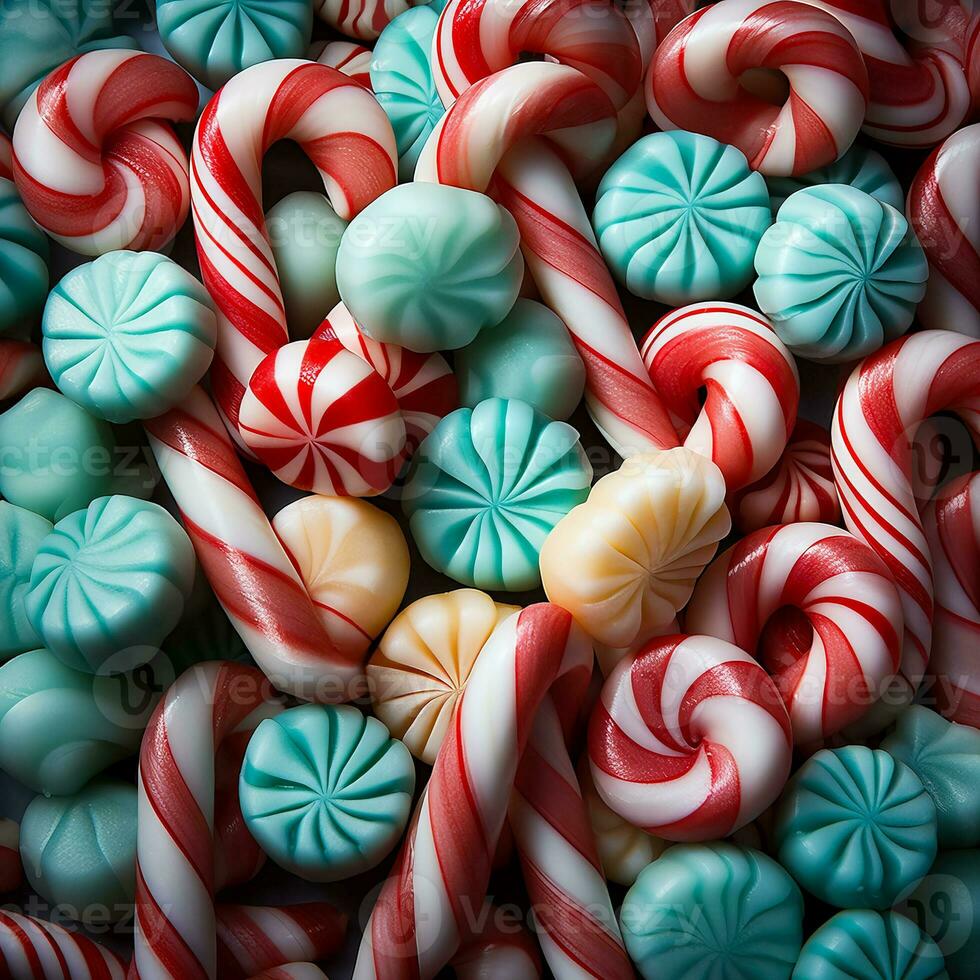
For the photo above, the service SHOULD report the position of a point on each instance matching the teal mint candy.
(215, 39)
(23, 263)
(678, 217)
(128, 335)
(946, 757)
(487, 486)
(840, 273)
(21, 534)
(326, 791)
(713, 910)
(528, 355)
(428, 266)
(109, 583)
(856, 827)
(865, 945)
(79, 852)
(401, 76)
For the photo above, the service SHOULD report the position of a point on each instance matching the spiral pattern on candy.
(34, 949)
(751, 385)
(653, 20)
(352, 59)
(363, 19)
(94, 157)
(345, 133)
(820, 611)
(695, 82)
(885, 399)
(690, 739)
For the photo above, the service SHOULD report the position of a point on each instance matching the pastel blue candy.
(487, 486)
(678, 217)
(401, 76)
(21, 534)
(840, 273)
(23, 263)
(326, 791)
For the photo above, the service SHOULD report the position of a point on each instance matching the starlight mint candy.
(21, 534)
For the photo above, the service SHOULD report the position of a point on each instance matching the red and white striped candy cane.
(440, 878)
(292, 971)
(363, 19)
(696, 81)
(342, 129)
(800, 487)
(33, 949)
(952, 524)
(820, 611)
(690, 739)
(653, 20)
(21, 367)
(6, 157)
(464, 150)
(885, 399)
(237, 857)
(750, 379)
(95, 159)
(944, 209)
(11, 872)
(352, 59)
(252, 576)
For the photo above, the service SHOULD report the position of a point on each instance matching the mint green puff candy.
(326, 791)
(856, 827)
(401, 76)
(946, 757)
(678, 217)
(428, 266)
(109, 583)
(840, 273)
(23, 264)
(128, 335)
(713, 910)
(528, 355)
(21, 534)
(866, 945)
(486, 487)
(79, 852)
(215, 39)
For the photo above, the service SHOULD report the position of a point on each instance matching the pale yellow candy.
(353, 558)
(624, 562)
(424, 661)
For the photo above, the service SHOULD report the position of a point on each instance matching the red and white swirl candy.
(696, 82)
(363, 19)
(819, 610)
(944, 209)
(34, 949)
(95, 159)
(346, 134)
(690, 739)
(352, 59)
(653, 20)
(749, 378)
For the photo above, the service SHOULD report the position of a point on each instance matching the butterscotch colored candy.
(424, 660)
(624, 562)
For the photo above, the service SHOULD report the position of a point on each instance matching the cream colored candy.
(424, 661)
(624, 562)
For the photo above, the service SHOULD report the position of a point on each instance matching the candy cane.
(885, 399)
(237, 857)
(352, 59)
(818, 608)
(653, 20)
(751, 385)
(346, 134)
(690, 739)
(32, 949)
(441, 874)
(363, 19)
(470, 140)
(243, 559)
(944, 209)
(95, 161)
(10, 868)
(696, 79)
(21, 367)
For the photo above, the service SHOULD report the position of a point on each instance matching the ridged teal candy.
(678, 217)
(860, 167)
(840, 273)
(128, 335)
(856, 827)
(326, 791)
(946, 757)
(428, 266)
(21, 533)
(487, 486)
(79, 851)
(23, 263)
(713, 910)
(109, 583)
(865, 945)
(60, 727)
(215, 39)
(528, 355)
(401, 76)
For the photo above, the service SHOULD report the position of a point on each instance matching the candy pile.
(656, 649)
